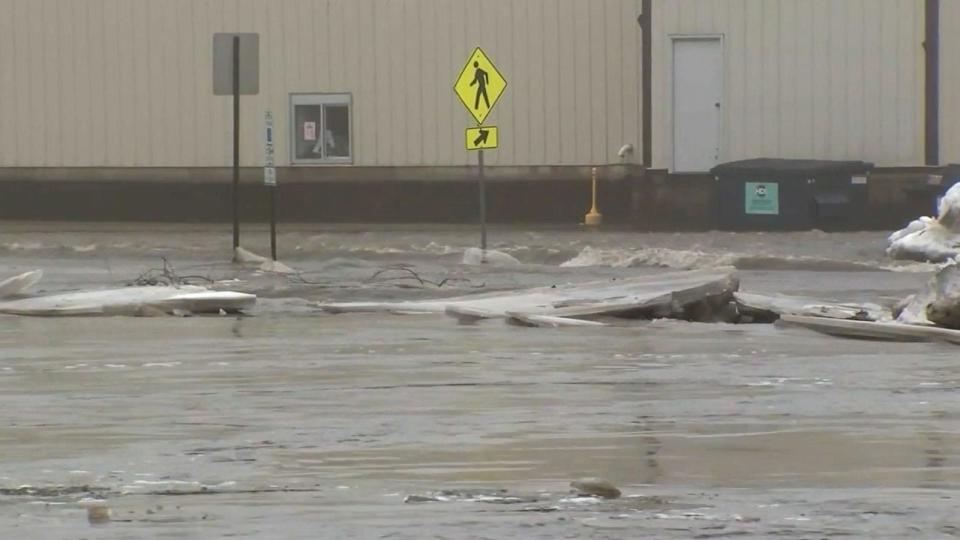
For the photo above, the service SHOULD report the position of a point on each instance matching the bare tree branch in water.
(167, 276)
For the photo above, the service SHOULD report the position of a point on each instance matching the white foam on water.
(912, 267)
(682, 259)
(379, 250)
(28, 246)
(441, 249)
(662, 257)
(167, 482)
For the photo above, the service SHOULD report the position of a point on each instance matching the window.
(321, 128)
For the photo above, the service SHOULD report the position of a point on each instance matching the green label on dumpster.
(762, 198)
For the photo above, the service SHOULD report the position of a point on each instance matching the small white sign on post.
(269, 172)
(309, 131)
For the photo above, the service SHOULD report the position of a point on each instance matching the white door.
(697, 113)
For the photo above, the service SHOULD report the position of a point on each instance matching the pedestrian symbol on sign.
(480, 78)
(479, 85)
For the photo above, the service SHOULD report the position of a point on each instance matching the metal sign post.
(483, 206)
(270, 179)
(236, 72)
(236, 143)
(479, 87)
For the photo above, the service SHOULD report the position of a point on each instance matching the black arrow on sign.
(482, 139)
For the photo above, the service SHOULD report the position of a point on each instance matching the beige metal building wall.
(127, 83)
(830, 79)
(949, 81)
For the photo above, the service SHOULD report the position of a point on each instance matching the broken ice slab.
(937, 304)
(659, 295)
(944, 309)
(879, 331)
(770, 307)
(131, 301)
(18, 285)
(547, 321)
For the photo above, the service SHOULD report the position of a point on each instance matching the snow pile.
(928, 239)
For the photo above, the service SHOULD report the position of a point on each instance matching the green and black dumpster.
(791, 194)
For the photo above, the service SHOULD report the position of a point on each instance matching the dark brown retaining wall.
(555, 195)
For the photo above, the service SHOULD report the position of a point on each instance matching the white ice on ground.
(929, 239)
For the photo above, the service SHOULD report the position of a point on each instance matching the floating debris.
(98, 514)
(595, 487)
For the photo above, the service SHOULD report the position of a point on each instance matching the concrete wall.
(949, 81)
(828, 79)
(127, 83)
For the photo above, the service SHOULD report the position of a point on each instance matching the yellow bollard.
(593, 217)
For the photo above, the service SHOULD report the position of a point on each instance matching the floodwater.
(290, 423)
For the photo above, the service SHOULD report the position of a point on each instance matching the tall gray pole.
(236, 142)
(273, 222)
(483, 207)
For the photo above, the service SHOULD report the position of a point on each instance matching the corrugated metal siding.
(829, 79)
(950, 81)
(128, 82)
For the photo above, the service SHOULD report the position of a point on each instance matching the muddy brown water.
(290, 423)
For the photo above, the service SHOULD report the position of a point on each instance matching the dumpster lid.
(952, 170)
(807, 167)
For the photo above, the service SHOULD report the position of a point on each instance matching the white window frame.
(319, 98)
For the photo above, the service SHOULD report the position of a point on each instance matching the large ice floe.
(930, 239)
(711, 296)
(126, 301)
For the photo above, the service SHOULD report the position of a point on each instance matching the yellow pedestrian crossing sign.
(480, 85)
(482, 138)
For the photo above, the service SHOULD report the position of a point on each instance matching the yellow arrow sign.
(480, 85)
(482, 138)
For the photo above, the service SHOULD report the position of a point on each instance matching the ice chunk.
(131, 301)
(928, 239)
(475, 256)
(18, 285)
